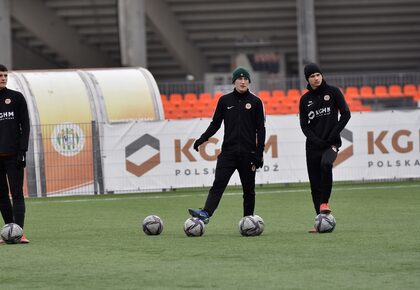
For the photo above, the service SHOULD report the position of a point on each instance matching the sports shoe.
(312, 231)
(24, 240)
(2, 242)
(201, 214)
(324, 208)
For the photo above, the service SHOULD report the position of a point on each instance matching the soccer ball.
(152, 225)
(260, 222)
(251, 225)
(324, 223)
(194, 227)
(11, 233)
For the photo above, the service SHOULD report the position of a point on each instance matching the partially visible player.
(14, 139)
(319, 110)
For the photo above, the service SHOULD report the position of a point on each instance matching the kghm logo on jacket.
(68, 139)
(7, 116)
(320, 112)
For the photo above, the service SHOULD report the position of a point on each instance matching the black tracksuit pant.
(11, 177)
(320, 164)
(226, 166)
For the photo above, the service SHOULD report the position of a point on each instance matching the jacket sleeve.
(215, 123)
(260, 126)
(345, 115)
(24, 125)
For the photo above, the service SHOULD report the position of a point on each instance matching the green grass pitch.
(97, 243)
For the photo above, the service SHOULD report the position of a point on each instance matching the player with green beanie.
(242, 114)
(240, 72)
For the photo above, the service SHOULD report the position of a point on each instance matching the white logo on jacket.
(7, 116)
(320, 112)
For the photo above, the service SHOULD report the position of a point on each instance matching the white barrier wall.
(159, 155)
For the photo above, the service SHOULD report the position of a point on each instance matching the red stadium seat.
(395, 91)
(265, 96)
(278, 94)
(410, 90)
(366, 92)
(381, 91)
(293, 94)
(206, 97)
(352, 92)
(176, 100)
(190, 100)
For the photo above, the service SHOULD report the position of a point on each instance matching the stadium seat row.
(190, 105)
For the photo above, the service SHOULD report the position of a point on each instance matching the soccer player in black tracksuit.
(14, 138)
(243, 144)
(318, 113)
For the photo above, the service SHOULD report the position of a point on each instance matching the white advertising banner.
(158, 155)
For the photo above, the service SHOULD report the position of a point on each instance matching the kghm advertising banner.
(158, 155)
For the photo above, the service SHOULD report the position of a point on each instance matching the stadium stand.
(277, 102)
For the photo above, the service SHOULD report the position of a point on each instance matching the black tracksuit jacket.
(14, 122)
(318, 113)
(244, 122)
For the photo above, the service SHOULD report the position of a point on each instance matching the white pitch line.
(226, 193)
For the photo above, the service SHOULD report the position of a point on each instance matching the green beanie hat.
(240, 72)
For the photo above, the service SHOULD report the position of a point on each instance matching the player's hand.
(197, 143)
(21, 159)
(258, 161)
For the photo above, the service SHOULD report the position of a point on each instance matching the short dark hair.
(3, 68)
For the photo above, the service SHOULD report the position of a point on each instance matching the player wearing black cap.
(14, 138)
(243, 144)
(318, 112)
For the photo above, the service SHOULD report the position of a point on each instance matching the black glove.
(197, 143)
(21, 159)
(258, 161)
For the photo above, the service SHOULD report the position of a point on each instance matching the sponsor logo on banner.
(141, 146)
(148, 147)
(209, 151)
(386, 143)
(68, 139)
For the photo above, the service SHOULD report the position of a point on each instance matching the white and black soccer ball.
(152, 225)
(324, 223)
(11, 233)
(251, 225)
(194, 227)
(260, 222)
